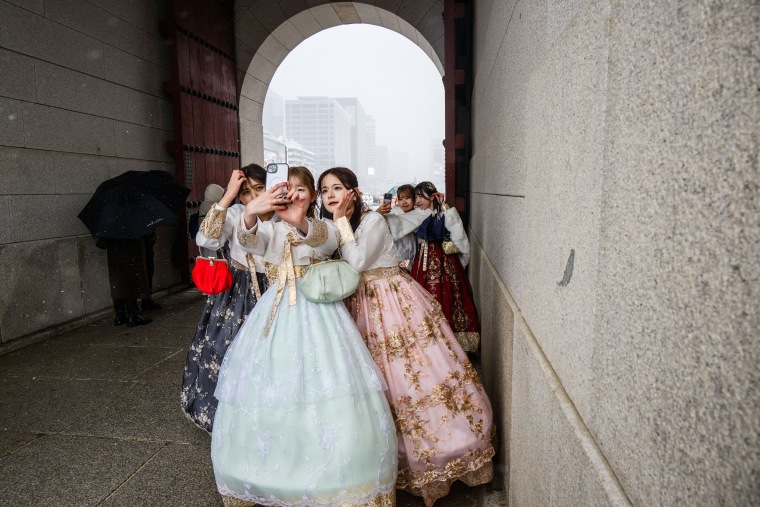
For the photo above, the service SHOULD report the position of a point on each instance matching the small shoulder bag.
(212, 275)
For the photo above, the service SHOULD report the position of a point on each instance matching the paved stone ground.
(92, 418)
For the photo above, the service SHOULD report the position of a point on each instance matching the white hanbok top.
(371, 246)
(220, 227)
(406, 246)
(401, 225)
(269, 240)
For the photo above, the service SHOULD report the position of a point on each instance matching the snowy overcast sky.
(392, 77)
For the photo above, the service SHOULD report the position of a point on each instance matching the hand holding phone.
(277, 173)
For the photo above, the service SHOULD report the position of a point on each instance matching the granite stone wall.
(81, 101)
(615, 201)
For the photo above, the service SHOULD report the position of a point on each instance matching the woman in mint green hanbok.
(302, 418)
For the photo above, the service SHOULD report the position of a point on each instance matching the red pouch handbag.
(212, 275)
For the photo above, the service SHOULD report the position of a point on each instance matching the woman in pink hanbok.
(443, 416)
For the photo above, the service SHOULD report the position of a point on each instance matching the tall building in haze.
(438, 163)
(374, 177)
(358, 136)
(273, 116)
(321, 125)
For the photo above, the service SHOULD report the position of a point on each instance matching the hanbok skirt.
(443, 276)
(222, 316)
(442, 413)
(303, 418)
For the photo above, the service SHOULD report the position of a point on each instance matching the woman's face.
(423, 202)
(250, 190)
(405, 202)
(332, 192)
(303, 191)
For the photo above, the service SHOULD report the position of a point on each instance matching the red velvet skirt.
(443, 276)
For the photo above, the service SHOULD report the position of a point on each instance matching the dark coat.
(127, 268)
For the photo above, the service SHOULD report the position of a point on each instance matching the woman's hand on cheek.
(342, 209)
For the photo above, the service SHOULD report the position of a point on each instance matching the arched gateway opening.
(223, 55)
(273, 50)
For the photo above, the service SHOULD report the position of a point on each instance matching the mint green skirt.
(302, 417)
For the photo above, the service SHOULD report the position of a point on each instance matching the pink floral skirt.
(443, 416)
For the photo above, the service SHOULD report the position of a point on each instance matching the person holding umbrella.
(122, 214)
(128, 277)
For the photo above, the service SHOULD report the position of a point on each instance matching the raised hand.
(237, 178)
(295, 212)
(384, 208)
(269, 200)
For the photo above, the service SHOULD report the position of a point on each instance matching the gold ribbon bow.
(423, 244)
(254, 279)
(286, 275)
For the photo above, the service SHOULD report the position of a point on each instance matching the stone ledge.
(67, 326)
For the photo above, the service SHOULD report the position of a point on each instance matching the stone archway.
(266, 32)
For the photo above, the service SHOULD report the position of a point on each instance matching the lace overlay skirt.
(302, 419)
(442, 413)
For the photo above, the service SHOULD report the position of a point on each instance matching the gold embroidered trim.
(379, 274)
(254, 280)
(250, 268)
(345, 233)
(318, 235)
(272, 271)
(434, 485)
(468, 340)
(213, 224)
(235, 264)
(246, 239)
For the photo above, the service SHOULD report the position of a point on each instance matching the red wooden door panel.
(200, 36)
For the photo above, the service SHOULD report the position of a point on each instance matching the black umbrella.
(134, 203)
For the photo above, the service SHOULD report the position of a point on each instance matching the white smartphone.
(276, 173)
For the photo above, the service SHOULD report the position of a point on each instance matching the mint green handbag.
(329, 281)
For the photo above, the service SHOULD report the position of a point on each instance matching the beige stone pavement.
(92, 418)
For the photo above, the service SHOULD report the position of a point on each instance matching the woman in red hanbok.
(442, 254)
(443, 416)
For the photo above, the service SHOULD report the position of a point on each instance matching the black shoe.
(138, 320)
(149, 305)
(121, 318)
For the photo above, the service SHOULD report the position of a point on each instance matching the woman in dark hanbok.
(225, 312)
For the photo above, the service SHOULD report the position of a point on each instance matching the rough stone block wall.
(81, 101)
(615, 199)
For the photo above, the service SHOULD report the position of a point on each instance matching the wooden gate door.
(201, 44)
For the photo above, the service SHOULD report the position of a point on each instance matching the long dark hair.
(256, 173)
(349, 180)
(426, 189)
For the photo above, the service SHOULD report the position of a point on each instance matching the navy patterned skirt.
(222, 316)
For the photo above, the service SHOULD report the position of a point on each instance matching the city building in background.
(323, 132)
(298, 155)
(321, 125)
(275, 149)
(437, 158)
(353, 107)
(273, 114)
